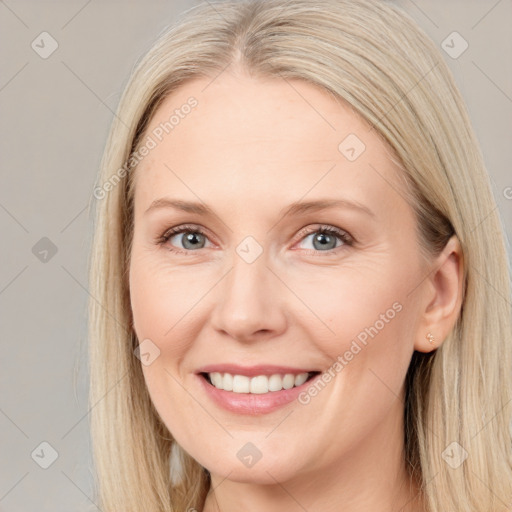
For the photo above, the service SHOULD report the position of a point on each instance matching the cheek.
(165, 306)
(350, 302)
(162, 304)
(364, 324)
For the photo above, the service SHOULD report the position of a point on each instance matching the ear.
(442, 297)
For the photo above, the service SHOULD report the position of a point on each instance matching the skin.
(249, 149)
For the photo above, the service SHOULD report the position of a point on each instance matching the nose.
(250, 302)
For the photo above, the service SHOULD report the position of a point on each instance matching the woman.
(301, 291)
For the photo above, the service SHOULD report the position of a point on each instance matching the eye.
(326, 238)
(191, 238)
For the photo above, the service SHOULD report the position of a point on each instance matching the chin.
(262, 473)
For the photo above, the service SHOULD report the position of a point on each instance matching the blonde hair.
(375, 58)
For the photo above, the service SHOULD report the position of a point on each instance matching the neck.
(372, 476)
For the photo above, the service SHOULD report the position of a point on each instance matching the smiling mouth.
(259, 384)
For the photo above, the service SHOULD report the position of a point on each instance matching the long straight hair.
(375, 58)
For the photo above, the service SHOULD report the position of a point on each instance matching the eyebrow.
(296, 208)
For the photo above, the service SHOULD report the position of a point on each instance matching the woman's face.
(259, 292)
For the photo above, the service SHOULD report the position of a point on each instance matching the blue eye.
(192, 238)
(325, 238)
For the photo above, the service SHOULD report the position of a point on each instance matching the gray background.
(55, 118)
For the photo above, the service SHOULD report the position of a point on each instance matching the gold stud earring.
(430, 338)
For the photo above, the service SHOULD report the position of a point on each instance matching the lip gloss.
(251, 403)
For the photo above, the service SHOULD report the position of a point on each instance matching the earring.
(430, 337)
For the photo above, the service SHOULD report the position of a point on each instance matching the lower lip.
(253, 404)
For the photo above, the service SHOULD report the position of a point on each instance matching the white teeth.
(275, 383)
(227, 382)
(216, 379)
(241, 384)
(301, 378)
(288, 381)
(257, 385)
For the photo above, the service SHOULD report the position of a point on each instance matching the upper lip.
(252, 371)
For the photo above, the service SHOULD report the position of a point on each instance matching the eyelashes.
(322, 230)
(330, 231)
(164, 239)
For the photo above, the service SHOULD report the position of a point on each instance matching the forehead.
(260, 138)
